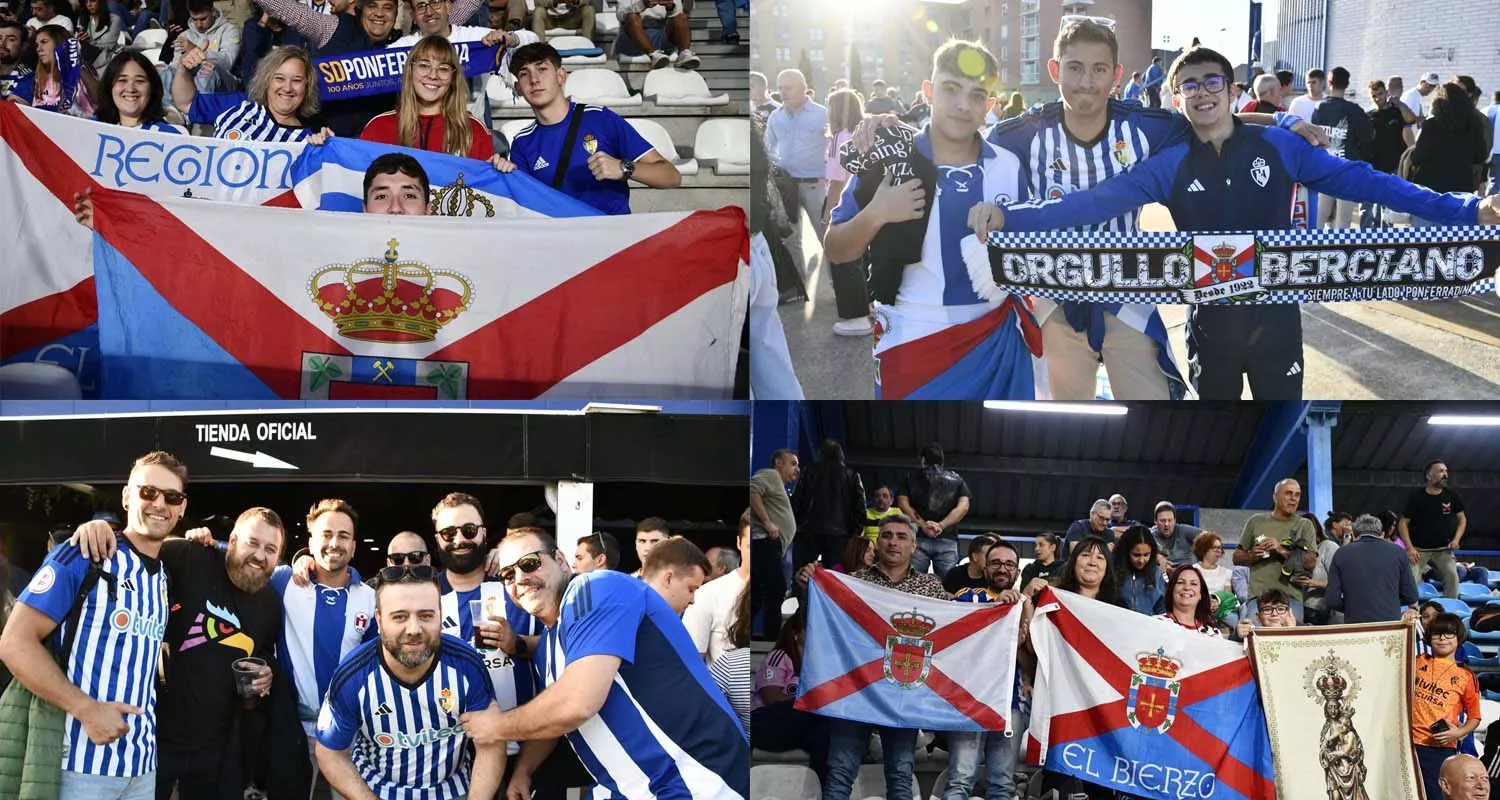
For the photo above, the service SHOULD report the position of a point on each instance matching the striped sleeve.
(731, 671)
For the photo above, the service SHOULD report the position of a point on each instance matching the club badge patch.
(42, 580)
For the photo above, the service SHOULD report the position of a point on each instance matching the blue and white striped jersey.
(512, 677)
(665, 730)
(320, 626)
(120, 629)
(406, 740)
(252, 121)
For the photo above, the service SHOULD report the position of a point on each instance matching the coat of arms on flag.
(877, 655)
(1153, 692)
(1224, 267)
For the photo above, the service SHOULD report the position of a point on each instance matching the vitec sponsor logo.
(125, 621)
(419, 739)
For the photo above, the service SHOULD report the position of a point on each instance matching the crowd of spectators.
(1288, 568)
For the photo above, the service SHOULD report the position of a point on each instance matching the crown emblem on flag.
(460, 200)
(1158, 664)
(1224, 250)
(910, 623)
(390, 300)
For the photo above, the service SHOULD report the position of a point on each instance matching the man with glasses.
(405, 548)
(623, 682)
(1273, 609)
(1231, 176)
(507, 633)
(110, 619)
(389, 726)
(1002, 565)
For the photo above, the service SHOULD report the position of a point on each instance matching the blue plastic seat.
(1474, 593)
(1454, 605)
(1427, 591)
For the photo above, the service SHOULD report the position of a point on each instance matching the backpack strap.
(569, 140)
(95, 574)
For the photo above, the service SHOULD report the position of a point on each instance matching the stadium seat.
(600, 87)
(1492, 637)
(1427, 591)
(501, 95)
(653, 132)
(513, 127)
(870, 784)
(1454, 605)
(607, 24)
(785, 782)
(976, 790)
(726, 142)
(151, 37)
(577, 51)
(641, 59)
(680, 87)
(32, 380)
(553, 33)
(1474, 593)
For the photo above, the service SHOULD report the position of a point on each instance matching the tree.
(805, 64)
(856, 71)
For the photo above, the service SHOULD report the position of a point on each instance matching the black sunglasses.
(419, 557)
(528, 564)
(468, 529)
(171, 497)
(419, 572)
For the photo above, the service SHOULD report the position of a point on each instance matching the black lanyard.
(425, 131)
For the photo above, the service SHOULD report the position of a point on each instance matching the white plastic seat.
(511, 127)
(565, 43)
(726, 142)
(150, 37)
(553, 33)
(653, 132)
(680, 87)
(124, 40)
(607, 24)
(501, 95)
(785, 782)
(601, 87)
(640, 59)
(33, 380)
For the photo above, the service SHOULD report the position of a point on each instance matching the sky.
(1222, 25)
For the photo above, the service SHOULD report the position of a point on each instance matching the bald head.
(1463, 777)
(406, 548)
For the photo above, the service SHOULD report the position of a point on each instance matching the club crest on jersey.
(42, 580)
(1002, 200)
(1057, 190)
(1260, 171)
(446, 701)
(1122, 153)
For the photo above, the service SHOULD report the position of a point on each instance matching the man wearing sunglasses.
(1231, 176)
(389, 726)
(598, 550)
(222, 610)
(113, 618)
(624, 683)
(509, 634)
(406, 548)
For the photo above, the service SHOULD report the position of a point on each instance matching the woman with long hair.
(859, 553)
(775, 725)
(1016, 107)
(845, 111)
(61, 81)
(1089, 573)
(731, 670)
(99, 31)
(433, 110)
(131, 94)
(1141, 586)
(1045, 566)
(1450, 144)
(280, 105)
(1188, 603)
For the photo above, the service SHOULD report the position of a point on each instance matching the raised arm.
(1359, 182)
(320, 27)
(1149, 182)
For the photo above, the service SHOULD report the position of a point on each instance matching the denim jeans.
(78, 786)
(846, 744)
(941, 553)
(1494, 187)
(726, 17)
(963, 765)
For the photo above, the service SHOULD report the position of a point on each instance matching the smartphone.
(1439, 726)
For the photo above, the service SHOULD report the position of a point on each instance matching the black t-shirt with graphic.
(1385, 151)
(1432, 518)
(212, 625)
(894, 156)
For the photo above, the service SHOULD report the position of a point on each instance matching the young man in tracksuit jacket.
(1234, 176)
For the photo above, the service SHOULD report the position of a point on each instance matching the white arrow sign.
(257, 459)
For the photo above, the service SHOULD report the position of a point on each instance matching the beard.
(396, 647)
(463, 563)
(245, 576)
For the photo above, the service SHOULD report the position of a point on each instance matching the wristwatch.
(627, 167)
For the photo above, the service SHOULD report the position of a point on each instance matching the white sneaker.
(687, 60)
(659, 59)
(859, 326)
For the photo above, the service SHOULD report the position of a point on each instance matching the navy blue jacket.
(1370, 580)
(1247, 186)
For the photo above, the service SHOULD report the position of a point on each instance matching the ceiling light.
(1042, 407)
(1460, 419)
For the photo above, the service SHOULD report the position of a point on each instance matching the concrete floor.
(1447, 350)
